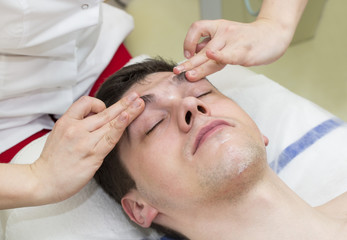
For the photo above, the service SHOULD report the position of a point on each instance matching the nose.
(191, 108)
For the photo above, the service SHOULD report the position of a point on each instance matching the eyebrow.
(148, 98)
(180, 77)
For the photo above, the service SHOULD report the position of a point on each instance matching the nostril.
(201, 109)
(188, 117)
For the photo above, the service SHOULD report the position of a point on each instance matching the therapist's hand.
(228, 42)
(78, 143)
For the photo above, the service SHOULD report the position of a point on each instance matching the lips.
(206, 131)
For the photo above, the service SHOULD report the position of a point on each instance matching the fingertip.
(138, 103)
(187, 54)
(211, 54)
(136, 108)
(123, 118)
(127, 100)
(132, 97)
(191, 75)
(178, 69)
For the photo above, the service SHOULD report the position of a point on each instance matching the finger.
(110, 134)
(200, 58)
(98, 120)
(229, 55)
(202, 44)
(195, 61)
(204, 70)
(191, 65)
(219, 56)
(197, 30)
(84, 106)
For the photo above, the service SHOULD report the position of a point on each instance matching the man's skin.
(213, 180)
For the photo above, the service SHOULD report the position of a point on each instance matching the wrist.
(282, 32)
(41, 192)
(22, 190)
(284, 13)
(33, 193)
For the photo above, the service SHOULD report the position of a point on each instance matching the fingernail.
(136, 103)
(123, 117)
(192, 73)
(132, 96)
(180, 68)
(187, 54)
(212, 52)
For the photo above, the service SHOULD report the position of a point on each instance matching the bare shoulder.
(336, 208)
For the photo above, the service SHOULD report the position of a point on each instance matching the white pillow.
(316, 172)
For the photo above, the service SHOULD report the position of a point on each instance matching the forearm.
(286, 13)
(19, 187)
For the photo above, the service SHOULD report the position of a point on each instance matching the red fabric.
(120, 58)
(7, 156)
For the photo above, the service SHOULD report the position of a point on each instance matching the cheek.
(165, 174)
(218, 108)
(162, 182)
(155, 166)
(235, 112)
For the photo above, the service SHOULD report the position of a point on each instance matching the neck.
(270, 210)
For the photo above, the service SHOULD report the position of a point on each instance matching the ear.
(266, 140)
(138, 210)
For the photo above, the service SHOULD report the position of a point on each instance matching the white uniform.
(51, 52)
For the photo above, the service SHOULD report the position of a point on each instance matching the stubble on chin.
(237, 172)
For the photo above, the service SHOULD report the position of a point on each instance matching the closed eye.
(204, 94)
(155, 125)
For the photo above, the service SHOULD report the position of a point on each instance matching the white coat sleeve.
(51, 52)
(44, 27)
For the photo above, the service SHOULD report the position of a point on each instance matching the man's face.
(191, 144)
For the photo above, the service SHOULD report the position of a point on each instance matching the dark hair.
(112, 176)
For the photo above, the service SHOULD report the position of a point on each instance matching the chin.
(234, 171)
(248, 171)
